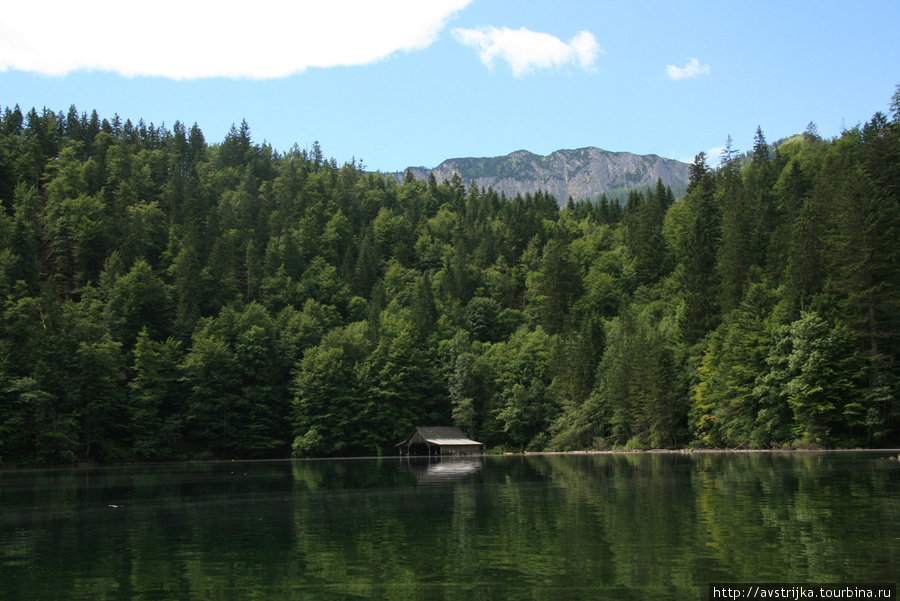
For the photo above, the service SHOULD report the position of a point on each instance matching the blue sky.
(413, 82)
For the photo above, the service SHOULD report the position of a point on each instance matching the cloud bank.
(188, 39)
(691, 70)
(527, 50)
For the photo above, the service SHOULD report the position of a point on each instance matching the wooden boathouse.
(439, 441)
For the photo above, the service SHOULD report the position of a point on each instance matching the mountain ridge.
(580, 173)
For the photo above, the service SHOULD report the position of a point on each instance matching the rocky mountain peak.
(581, 173)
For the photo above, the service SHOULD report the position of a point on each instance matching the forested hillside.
(166, 298)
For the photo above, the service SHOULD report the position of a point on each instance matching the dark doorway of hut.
(423, 450)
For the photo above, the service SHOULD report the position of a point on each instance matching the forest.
(165, 298)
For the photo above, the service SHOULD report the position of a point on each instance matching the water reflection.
(618, 526)
(438, 471)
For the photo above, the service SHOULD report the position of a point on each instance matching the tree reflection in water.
(605, 526)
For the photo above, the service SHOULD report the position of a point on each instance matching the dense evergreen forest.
(166, 298)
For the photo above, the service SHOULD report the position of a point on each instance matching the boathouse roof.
(442, 435)
(443, 439)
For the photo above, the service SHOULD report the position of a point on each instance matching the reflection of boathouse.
(429, 441)
(439, 471)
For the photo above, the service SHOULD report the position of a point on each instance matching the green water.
(559, 527)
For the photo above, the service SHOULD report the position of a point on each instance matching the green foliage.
(164, 298)
(328, 395)
(635, 394)
(469, 388)
(824, 392)
(482, 319)
(726, 402)
(156, 415)
(137, 301)
(522, 374)
(697, 255)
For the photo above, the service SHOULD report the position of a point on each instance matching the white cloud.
(527, 50)
(691, 70)
(185, 39)
(714, 155)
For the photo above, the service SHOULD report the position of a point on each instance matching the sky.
(398, 83)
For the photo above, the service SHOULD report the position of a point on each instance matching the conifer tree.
(699, 278)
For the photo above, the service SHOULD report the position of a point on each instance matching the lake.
(547, 527)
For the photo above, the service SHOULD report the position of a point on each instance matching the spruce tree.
(699, 278)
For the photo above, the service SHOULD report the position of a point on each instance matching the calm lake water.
(549, 527)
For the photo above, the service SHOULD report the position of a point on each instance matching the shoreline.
(703, 451)
(896, 450)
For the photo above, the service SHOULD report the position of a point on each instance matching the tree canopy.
(166, 298)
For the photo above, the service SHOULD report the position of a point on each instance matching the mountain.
(584, 173)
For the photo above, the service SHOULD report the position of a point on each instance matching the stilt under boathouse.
(431, 441)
